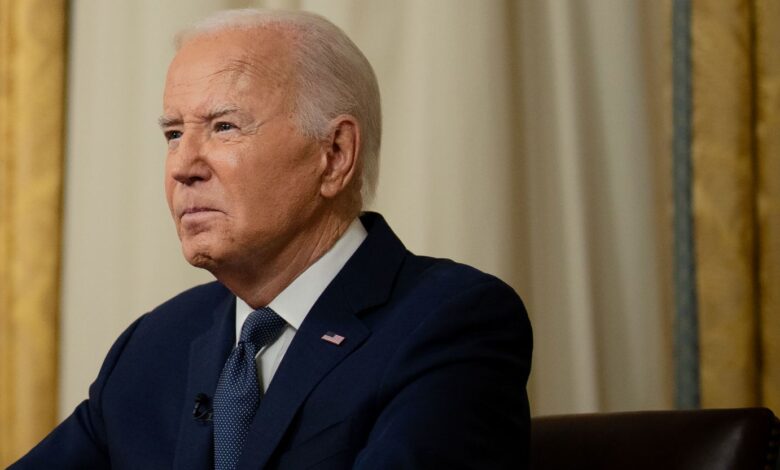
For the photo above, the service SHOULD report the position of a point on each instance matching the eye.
(224, 126)
(172, 135)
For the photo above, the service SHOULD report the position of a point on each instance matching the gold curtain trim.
(724, 201)
(768, 165)
(32, 58)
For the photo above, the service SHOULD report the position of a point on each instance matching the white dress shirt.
(295, 301)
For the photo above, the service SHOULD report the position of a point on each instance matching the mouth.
(197, 212)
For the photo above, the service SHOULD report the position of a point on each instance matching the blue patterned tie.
(238, 390)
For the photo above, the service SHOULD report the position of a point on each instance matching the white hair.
(333, 76)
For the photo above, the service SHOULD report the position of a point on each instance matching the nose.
(187, 162)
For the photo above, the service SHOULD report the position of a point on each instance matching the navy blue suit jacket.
(432, 374)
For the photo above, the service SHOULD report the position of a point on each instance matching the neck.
(260, 280)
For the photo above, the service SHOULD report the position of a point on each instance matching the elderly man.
(324, 343)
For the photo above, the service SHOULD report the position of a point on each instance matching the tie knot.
(261, 327)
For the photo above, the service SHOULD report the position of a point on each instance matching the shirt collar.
(295, 301)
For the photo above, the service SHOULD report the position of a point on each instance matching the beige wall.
(518, 138)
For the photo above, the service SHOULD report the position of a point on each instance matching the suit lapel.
(208, 353)
(308, 359)
(365, 281)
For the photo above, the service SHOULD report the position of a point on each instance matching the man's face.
(240, 179)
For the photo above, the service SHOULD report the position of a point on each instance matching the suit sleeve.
(79, 442)
(455, 392)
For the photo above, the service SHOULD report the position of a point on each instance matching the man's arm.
(456, 389)
(79, 442)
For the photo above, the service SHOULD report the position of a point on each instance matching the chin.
(199, 257)
(203, 261)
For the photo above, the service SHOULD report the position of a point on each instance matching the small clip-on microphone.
(202, 411)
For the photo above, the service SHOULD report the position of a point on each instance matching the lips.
(198, 214)
(196, 210)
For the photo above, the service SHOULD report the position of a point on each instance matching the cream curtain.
(32, 78)
(594, 85)
(520, 136)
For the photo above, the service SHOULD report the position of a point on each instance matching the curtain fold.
(724, 201)
(767, 19)
(32, 58)
(735, 193)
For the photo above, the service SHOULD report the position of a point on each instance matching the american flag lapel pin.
(333, 338)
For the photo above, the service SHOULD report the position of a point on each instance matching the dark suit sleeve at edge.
(79, 441)
(456, 390)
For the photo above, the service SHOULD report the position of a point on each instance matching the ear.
(340, 155)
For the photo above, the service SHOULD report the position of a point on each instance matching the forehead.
(232, 60)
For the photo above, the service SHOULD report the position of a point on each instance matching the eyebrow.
(216, 113)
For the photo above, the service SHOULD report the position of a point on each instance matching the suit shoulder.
(196, 302)
(450, 276)
(431, 290)
(196, 295)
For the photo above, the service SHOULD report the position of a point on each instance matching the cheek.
(169, 185)
(233, 160)
(295, 193)
(168, 194)
(169, 199)
(269, 179)
(259, 197)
